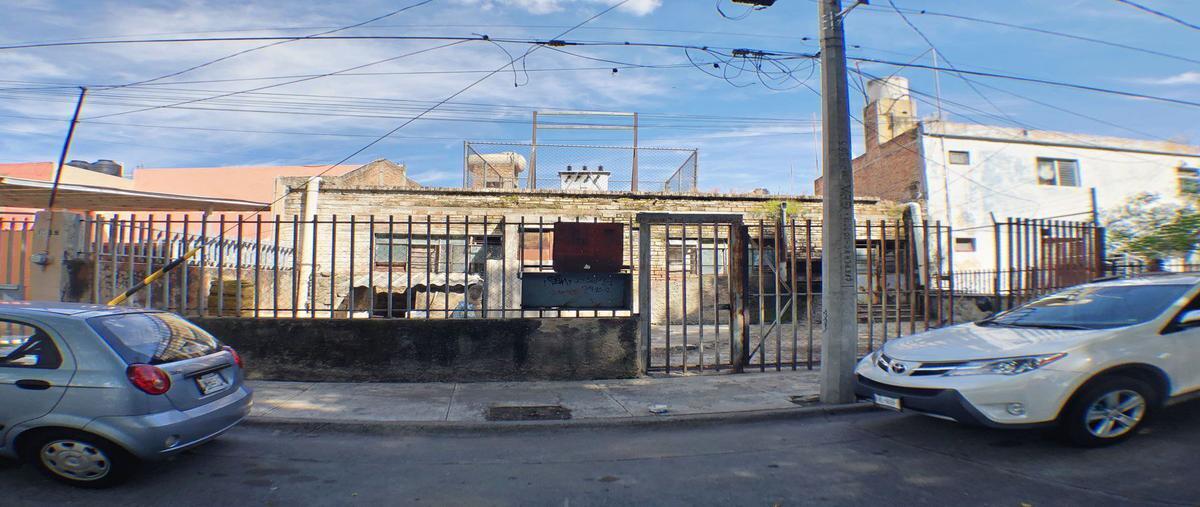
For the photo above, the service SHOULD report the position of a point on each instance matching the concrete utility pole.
(839, 302)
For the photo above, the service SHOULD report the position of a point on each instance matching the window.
(25, 346)
(960, 157)
(1058, 172)
(537, 247)
(437, 254)
(1094, 307)
(391, 250)
(154, 338)
(693, 256)
(964, 244)
(1189, 180)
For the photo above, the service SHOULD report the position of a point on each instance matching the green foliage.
(1150, 229)
(770, 209)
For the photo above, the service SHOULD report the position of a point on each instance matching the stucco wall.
(461, 350)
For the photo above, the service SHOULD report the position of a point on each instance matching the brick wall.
(889, 171)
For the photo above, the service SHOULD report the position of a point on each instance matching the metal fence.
(16, 245)
(904, 286)
(231, 255)
(1035, 257)
(446, 267)
(579, 167)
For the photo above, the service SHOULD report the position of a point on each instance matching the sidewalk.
(596, 402)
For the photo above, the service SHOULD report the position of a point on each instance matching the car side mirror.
(1190, 318)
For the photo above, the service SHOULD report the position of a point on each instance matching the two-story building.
(968, 175)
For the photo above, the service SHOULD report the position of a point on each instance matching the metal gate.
(719, 294)
(691, 292)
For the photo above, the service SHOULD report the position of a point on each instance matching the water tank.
(82, 164)
(106, 166)
(888, 88)
(496, 170)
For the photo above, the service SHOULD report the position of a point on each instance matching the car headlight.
(1007, 366)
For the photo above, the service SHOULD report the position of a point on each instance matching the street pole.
(839, 304)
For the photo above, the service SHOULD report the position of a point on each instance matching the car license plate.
(887, 402)
(210, 383)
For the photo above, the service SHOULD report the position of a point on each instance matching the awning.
(23, 193)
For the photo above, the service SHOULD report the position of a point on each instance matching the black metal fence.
(1035, 257)
(446, 267)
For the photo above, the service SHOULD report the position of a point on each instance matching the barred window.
(1058, 172)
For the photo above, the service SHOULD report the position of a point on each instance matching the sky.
(750, 129)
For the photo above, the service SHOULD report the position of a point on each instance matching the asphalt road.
(854, 459)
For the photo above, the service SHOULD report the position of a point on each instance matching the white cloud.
(1190, 77)
(635, 7)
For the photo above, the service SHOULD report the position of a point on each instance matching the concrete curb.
(369, 426)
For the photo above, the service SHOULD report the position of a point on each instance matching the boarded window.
(960, 157)
(964, 244)
(1058, 172)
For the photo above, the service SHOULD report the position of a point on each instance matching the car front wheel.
(1108, 411)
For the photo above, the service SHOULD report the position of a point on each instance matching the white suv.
(1097, 360)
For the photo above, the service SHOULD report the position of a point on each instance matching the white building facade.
(967, 175)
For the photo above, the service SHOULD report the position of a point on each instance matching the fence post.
(739, 279)
(644, 302)
(999, 252)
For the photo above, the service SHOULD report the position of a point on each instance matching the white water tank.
(894, 88)
(496, 170)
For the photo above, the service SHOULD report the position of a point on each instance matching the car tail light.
(237, 358)
(150, 379)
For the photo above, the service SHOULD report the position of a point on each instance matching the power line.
(1160, 14)
(605, 28)
(244, 51)
(1043, 31)
(950, 64)
(1048, 82)
(228, 94)
(440, 103)
(733, 53)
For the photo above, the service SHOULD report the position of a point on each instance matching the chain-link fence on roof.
(579, 167)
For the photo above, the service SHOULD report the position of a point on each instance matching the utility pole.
(62, 156)
(839, 277)
(43, 258)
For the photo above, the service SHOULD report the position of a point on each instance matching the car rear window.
(154, 338)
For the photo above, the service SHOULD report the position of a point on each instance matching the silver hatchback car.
(87, 392)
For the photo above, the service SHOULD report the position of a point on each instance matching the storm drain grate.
(527, 413)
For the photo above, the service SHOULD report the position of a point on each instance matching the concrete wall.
(461, 350)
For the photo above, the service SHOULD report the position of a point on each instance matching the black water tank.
(107, 167)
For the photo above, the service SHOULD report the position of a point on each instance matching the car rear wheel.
(1108, 411)
(79, 459)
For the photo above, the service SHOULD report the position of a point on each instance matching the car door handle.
(35, 385)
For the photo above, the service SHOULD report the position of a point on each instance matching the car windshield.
(1093, 307)
(154, 338)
